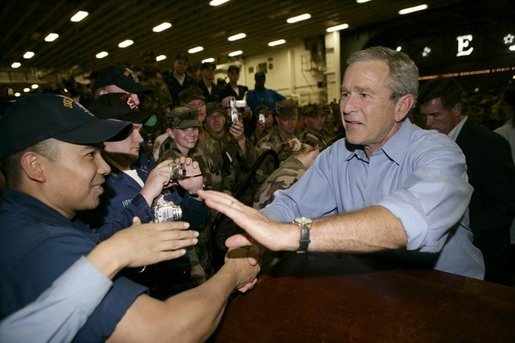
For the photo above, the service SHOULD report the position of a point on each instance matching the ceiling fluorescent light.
(17, 94)
(15, 65)
(337, 28)
(26, 89)
(34, 86)
(28, 55)
(101, 54)
(79, 16)
(195, 49)
(162, 27)
(301, 17)
(237, 36)
(215, 3)
(160, 58)
(235, 53)
(208, 60)
(413, 9)
(125, 43)
(51, 37)
(276, 42)
(362, 1)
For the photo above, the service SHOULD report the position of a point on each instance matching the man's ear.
(403, 106)
(456, 110)
(32, 166)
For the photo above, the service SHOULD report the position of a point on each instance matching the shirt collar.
(395, 148)
(454, 133)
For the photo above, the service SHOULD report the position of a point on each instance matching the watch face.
(303, 221)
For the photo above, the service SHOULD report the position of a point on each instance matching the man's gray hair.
(403, 76)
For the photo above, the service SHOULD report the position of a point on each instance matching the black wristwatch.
(304, 225)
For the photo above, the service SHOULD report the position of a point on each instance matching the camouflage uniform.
(215, 162)
(157, 101)
(314, 138)
(286, 175)
(201, 250)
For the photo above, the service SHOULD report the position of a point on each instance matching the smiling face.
(185, 139)
(74, 178)
(369, 116)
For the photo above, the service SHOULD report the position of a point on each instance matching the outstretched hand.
(268, 233)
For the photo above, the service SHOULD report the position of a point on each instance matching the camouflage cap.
(190, 94)
(313, 111)
(214, 107)
(182, 118)
(286, 109)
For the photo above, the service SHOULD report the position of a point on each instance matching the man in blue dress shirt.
(389, 186)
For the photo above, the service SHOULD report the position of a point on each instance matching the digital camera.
(165, 211)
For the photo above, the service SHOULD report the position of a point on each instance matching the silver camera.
(234, 110)
(177, 171)
(165, 211)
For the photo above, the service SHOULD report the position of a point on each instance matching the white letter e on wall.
(463, 43)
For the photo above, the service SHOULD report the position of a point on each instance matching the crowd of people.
(156, 156)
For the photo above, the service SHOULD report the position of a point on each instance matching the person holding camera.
(131, 192)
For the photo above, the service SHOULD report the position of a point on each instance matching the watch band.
(304, 225)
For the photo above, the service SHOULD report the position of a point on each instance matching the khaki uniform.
(286, 175)
(313, 138)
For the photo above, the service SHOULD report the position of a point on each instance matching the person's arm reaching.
(58, 313)
(367, 230)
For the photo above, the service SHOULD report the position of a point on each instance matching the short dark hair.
(181, 56)
(260, 75)
(447, 89)
(11, 166)
(207, 65)
(233, 69)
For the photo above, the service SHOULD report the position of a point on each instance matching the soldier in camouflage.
(183, 129)
(314, 134)
(287, 174)
(157, 101)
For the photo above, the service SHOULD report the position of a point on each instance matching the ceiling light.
(413, 9)
(426, 51)
(125, 43)
(160, 58)
(399, 48)
(34, 86)
(301, 17)
(276, 42)
(162, 27)
(217, 2)
(362, 1)
(28, 55)
(26, 89)
(17, 94)
(512, 48)
(235, 53)
(195, 49)
(79, 16)
(15, 65)
(102, 54)
(208, 60)
(337, 28)
(51, 37)
(236, 37)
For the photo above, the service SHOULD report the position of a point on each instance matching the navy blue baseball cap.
(122, 77)
(37, 117)
(119, 106)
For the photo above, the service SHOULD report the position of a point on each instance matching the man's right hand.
(237, 263)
